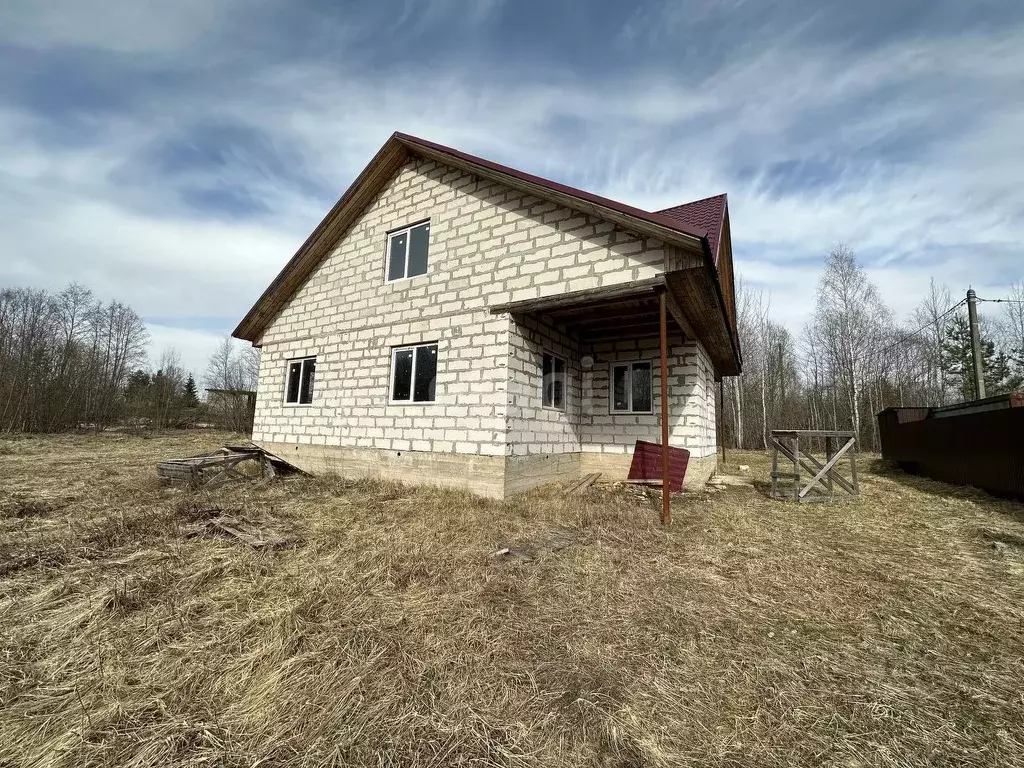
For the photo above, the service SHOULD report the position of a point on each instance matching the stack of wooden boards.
(209, 470)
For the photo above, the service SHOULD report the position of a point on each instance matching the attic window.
(299, 387)
(407, 251)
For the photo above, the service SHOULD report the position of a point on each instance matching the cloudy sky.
(173, 155)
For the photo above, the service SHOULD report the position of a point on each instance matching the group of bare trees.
(70, 361)
(65, 358)
(852, 358)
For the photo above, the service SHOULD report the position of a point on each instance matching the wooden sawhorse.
(824, 477)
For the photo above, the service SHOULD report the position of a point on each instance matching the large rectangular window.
(553, 382)
(631, 388)
(414, 373)
(407, 251)
(299, 385)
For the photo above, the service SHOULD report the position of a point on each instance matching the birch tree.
(849, 319)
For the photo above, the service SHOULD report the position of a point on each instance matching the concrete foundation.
(496, 477)
(483, 475)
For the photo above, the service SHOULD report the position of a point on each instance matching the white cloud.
(137, 27)
(942, 204)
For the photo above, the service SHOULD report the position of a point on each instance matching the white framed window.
(553, 382)
(407, 251)
(298, 389)
(632, 390)
(413, 373)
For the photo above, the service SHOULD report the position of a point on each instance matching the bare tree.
(168, 387)
(1011, 327)
(233, 371)
(233, 367)
(929, 313)
(64, 358)
(850, 319)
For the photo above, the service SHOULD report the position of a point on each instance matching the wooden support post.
(796, 466)
(828, 458)
(775, 466)
(666, 510)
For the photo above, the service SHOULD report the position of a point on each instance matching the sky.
(173, 156)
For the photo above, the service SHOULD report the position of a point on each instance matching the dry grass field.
(386, 633)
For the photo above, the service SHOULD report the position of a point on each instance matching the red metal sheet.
(647, 464)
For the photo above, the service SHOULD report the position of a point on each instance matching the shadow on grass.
(1003, 505)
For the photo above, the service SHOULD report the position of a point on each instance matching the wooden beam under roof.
(573, 299)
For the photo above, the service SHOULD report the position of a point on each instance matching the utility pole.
(979, 363)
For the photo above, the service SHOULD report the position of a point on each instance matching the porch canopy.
(632, 311)
(641, 309)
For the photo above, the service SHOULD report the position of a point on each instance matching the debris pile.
(209, 470)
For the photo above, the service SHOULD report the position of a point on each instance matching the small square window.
(632, 388)
(414, 373)
(553, 382)
(407, 251)
(299, 385)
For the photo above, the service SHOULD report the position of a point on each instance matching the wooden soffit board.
(695, 290)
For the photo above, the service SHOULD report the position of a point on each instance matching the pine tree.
(190, 396)
(958, 363)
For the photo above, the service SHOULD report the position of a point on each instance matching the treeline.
(852, 358)
(69, 361)
(65, 358)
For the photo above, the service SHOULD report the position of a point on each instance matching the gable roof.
(689, 228)
(707, 214)
(658, 218)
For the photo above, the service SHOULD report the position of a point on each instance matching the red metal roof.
(680, 223)
(702, 220)
(707, 214)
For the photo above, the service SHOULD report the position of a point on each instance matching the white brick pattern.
(488, 244)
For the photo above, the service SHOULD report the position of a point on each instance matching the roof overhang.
(630, 310)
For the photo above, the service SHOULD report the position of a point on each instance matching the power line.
(1003, 301)
(926, 325)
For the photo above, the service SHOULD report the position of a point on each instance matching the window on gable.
(407, 251)
(299, 386)
(631, 388)
(553, 382)
(414, 373)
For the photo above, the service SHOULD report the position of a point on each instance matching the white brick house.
(457, 322)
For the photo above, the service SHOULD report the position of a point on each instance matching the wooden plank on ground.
(581, 483)
(585, 483)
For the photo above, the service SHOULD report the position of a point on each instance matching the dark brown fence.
(980, 443)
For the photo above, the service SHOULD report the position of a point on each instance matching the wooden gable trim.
(318, 245)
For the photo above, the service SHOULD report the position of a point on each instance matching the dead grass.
(752, 632)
